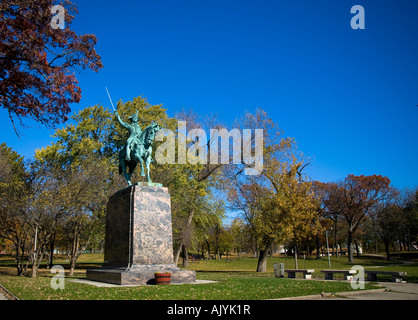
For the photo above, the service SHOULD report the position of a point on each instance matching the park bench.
(329, 274)
(307, 273)
(396, 275)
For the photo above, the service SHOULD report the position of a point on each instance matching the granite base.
(138, 239)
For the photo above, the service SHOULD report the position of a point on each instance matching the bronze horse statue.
(140, 147)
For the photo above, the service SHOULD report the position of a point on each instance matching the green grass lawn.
(236, 280)
(227, 288)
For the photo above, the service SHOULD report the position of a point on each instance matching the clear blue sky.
(349, 97)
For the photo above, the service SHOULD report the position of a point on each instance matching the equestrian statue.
(138, 147)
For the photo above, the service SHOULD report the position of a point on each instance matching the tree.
(355, 197)
(38, 62)
(288, 212)
(85, 217)
(388, 220)
(240, 235)
(79, 194)
(329, 208)
(14, 198)
(242, 189)
(278, 204)
(190, 186)
(208, 217)
(218, 237)
(193, 206)
(409, 225)
(80, 173)
(43, 215)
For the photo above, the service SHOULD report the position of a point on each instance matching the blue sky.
(349, 97)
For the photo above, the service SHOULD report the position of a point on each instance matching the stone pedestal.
(138, 239)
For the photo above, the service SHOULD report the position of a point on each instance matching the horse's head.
(155, 127)
(151, 130)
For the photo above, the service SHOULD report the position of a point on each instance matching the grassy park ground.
(236, 280)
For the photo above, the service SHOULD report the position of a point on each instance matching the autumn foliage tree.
(329, 209)
(287, 211)
(354, 198)
(38, 62)
(14, 196)
(279, 204)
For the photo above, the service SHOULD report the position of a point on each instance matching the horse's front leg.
(128, 175)
(128, 178)
(142, 167)
(148, 163)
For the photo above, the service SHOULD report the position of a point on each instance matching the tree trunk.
(387, 249)
(208, 246)
(357, 249)
(408, 241)
(218, 256)
(185, 257)
(318, 253)
(51, 249)
(177, 254)
(35, 254)
(37, 261)
(296, 257)
(262, 258)
(19, 257)
(34, 266)
(349, 243)
(256, 249)
(335, 239)
(74, 248)
(185, 233)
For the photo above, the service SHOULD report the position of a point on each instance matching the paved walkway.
(389, 291)
(2, 295)
(6, 295)
(395, 291)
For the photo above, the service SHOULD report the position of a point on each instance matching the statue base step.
(140, 275)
